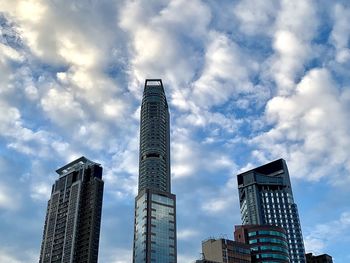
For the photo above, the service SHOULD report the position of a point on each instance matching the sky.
(247, 82)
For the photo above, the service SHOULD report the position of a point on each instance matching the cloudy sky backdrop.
(247, 81)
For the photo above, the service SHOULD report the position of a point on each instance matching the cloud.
(303, 127)
(6, 257)
(11, 255)
(92, 106)
(295, 27)
(186, 234)
(226, 72)
(340, 34)
(9, 199)
(184, 156)
(200, 118)
(183, 258)
(29, 142)
(12, 127)
(73, 53)
(196, 62)
(31, 11)
(10, 54)
(225, 199)
(256, 17)
(70, 47)
(117, 255)
(62, 108)
(321, 236)
(121, 173)
(60, 40)
(162, 44)
(91, 86)
(216, 205)
(41, 191)
(73, 90)
(191, 157)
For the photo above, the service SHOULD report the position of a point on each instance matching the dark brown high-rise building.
(73, 218)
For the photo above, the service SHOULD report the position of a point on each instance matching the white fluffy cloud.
(11, 255)
(186, 234)
(85, 106)
(121, 172)
(40, 191)
(340, 35)
(191, 157)
(161, 42)
(9, 199)
(61, 106)
(183, 157)
(226, 199)
(256, 17)
(27, 141)
(183, 258)
(12, 127)
(295, 27)
(226, 72)
(9, 53)
(309, 127)
(117, 255)
(6, 257)
(59, 40)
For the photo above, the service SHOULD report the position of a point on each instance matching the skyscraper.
(155, 205)
(266, 197)
(73, 218)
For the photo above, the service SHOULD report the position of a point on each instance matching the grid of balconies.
(72, 223)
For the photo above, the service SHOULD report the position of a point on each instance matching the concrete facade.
(225, 251)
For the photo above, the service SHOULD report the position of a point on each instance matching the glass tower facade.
(266, 197)
(155, 205)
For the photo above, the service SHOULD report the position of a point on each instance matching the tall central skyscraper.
(155, 205)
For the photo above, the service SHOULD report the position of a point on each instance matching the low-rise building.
(225, 251)
(324, 258)
(267, 243)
